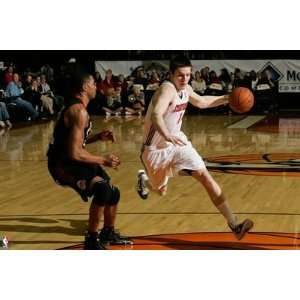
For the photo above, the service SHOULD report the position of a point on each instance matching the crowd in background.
(28, 96)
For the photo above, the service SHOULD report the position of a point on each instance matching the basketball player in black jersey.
(70, 164)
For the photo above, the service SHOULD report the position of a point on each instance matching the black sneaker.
(141, 188)
(92, 242)
(108, 236)
(241, 229)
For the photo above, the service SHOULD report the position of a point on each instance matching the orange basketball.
(241, 100)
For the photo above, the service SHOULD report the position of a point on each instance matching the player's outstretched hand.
(175, 140)
(106, 135)
(111, 161)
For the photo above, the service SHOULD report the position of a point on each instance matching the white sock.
(227, 213)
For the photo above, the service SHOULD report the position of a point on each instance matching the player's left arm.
(206, 101)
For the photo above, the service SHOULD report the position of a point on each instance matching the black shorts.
(76, 175)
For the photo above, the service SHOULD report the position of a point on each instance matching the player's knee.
(115, 197)
(105, 193)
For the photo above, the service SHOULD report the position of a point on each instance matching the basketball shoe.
(109, 236)
(92, 242)
(141, 187)
(241, 229)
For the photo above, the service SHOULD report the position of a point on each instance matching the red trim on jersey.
(180, 107)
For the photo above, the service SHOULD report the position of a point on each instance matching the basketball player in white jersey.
(166, 150)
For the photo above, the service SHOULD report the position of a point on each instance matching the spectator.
(122, 85)
(153, 82)
(238, 79)
(225, 78)
(205, 74)
(253, 78)
(34, 95)
(140, 78)
(130, 82)
(14, 92)
(45, 90)
(27, 82)
(107, 83)
(113, 105)
(8, 75)
(198, 83)
(98, 81)
(4, 116)
(48, 72)
(136, 102)
(265, 80)
(213, 78)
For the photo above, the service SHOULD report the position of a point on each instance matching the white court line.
(246, 122)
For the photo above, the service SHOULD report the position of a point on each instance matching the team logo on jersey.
(271, 164)
(180, 107)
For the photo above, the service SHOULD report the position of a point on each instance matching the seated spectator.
(107, 83)
(48, 72)
(265, 82)
(4, 116)
(225, 79)
(45, 90)
(37, 99)
(253, 78)
(27, 82)
(140, 78)
(205, 74)
(113, 105)
(136, 102)
(198, 83)
(122, 85)
(238, 78)
(154, 82)
(14, 92)
(98, 81)
(8, 75)
(130, 82)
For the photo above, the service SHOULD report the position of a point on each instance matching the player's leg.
(157, 183)
(217, 197)
(189, 162)
(157, 171)
(92, 241)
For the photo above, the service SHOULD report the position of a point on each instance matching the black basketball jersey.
(57, 147)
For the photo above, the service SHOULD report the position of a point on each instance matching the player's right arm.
(161, 101)
(76, 120)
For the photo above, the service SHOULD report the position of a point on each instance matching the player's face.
(181, 77)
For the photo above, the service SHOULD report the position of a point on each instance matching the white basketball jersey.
(172, 118)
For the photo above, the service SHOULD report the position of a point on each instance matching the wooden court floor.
(35, 213)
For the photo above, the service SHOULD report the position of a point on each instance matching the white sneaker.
(107, 113)
(2, 124)
(141, 187)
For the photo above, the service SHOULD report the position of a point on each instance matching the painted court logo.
(272, 164)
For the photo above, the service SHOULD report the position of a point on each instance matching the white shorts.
(166, 162)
